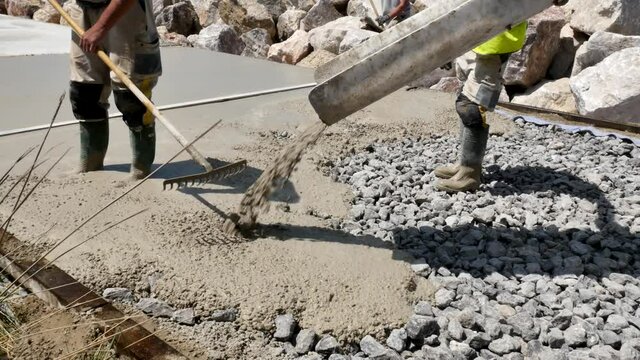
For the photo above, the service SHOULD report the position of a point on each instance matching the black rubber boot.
(143, 147)
(468, 177)
(94, 140)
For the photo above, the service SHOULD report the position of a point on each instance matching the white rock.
(354, 38)
(600, 45)
(554, 95)
(611, 89)
(619, 16)
(289, 22)
(329, 36)
(321, 13)
(292, 50)
(257, 43)
(361, 9)
(317, 59)
(217, 37)
(529, 65)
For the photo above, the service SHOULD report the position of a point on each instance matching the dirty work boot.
(468, 177)
(447, 171)
(143, 146)
(94, 140)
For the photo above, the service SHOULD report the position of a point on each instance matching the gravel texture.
(541, 262)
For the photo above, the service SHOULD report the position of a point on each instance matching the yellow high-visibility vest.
(509, 41)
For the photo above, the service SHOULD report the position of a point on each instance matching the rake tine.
(219, 173)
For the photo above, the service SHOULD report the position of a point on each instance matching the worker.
(479, 95)
(124, 29)
(393, 12)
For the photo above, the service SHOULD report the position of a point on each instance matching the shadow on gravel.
(499, 247)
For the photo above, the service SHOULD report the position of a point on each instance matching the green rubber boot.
(449, 170)
(468, 177)
(94, 140)
(143, 146)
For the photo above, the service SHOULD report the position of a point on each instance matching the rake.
(209, 173)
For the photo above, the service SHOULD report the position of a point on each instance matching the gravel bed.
(542, 263)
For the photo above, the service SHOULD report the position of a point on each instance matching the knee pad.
(133, 111)
(85, 101)
(471, 114)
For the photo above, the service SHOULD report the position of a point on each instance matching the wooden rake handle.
(134, 89)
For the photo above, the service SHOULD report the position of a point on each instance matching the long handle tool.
(210, 172)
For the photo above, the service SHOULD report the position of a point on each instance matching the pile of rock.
(541, 263)
(585, 60)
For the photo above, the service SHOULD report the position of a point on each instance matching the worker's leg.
(135, 49)
(479, 95)
(89, 94)
(449, 170)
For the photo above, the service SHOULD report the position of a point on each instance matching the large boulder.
(245, 15)
(329, 36)
(431, 78)
(361, 9)
(618, 16)
(47, 14)
(218, 37)
(529, 65)
(304, 5)
(464, 64)
(207, 11)
(172, 39)
(611, 89)
(180, 18)
(354, 38)
(257, 43)
(276, 7)
(600, 45)
(448, 84)
(22, 8)
(317, 59)
(70, 7)
(158, 5)
(554, 95)
(562, 63)
(321, 13)
(291, 51)
(289, 22)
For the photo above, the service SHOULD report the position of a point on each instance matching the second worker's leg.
(142, 134)
(473, 147)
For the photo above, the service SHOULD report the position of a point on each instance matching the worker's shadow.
(508, 248)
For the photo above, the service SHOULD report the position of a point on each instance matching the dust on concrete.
(331, 281)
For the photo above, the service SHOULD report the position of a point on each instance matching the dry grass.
(11, 330)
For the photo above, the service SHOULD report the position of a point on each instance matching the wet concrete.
(31, 85)
(28, 37)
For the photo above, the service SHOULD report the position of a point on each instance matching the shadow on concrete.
(482, 249)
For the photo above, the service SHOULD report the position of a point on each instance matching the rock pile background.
(581, 58)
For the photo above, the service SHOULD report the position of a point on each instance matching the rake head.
(205, 177)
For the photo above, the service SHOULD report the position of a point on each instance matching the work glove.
(560, 2)
(382, 19)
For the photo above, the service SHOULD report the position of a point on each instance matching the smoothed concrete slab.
(19, 37)
(31, 85)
